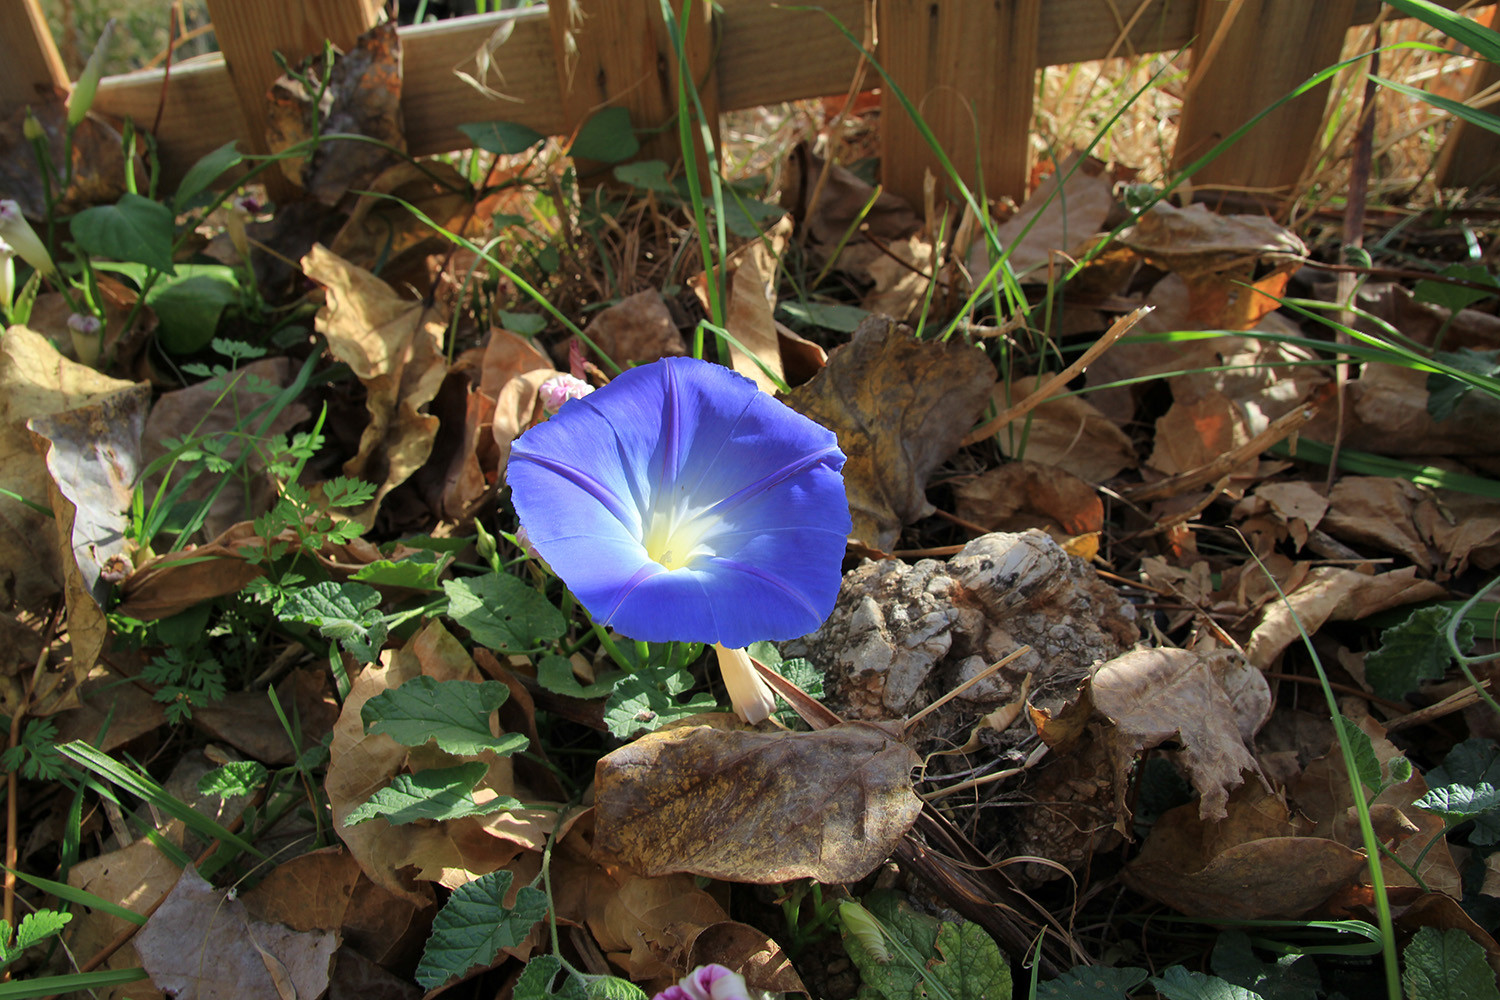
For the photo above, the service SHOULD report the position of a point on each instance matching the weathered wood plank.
(31, 65)
(969, 68)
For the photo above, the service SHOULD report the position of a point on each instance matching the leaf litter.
(1065, 670)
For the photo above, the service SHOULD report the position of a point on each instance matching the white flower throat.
(674, 536)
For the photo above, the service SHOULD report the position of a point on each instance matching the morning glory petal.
(679, 502)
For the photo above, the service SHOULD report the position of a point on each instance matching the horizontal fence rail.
(969, 64)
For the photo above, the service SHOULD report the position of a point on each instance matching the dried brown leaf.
(1211, 704)
(1062, 225)
(1020, 495)
(756, 807)
(636, 329)
(900, 407)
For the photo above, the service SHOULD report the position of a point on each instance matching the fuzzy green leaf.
(1366, 763)
(554, 673)
(892, 976)
(1447, 965)
(1471, 765)
(437, 793)
(1457, 803)
(37, 926)
(1092, 982)
(418, 571)
(1444, 392)
(647, 700)
(455, 714)
(502, 613)
(1290, 977)
(502, 137)
(134, 229)
(475, 924)
(1413, 651)
(1177, 983)
(972, 966)
(343, 611)
(535, 981)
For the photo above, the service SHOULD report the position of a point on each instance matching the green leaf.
(554, 673)
(1414, 651)
(972, 965)
(647, 700)
(524, 324)
(1473, 116)
(1461, 29)
(748, 218)
(1444, 392)
(77, 981)
(502, 613)
(475, 924)
(438, 793)
(1455, 297)
(1290, 977)
(648, 175)
(502, 137)
(1092, 982)
(190, 307)
(613, 988)
(1365, 762)
(35, 927)
(238, 777)
(343, 611)
(456, 714)
(824, 315)
(419, 571)
(1472, 764)
(606, 137)
(1177, 983)
(1447, 965)
(208, 169)
(133, 229)
(535, 981)
(1456, 803)
(908, 933)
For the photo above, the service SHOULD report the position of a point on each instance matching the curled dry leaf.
(900, 407)
(93, 456)
(752, 303)
(748, 951)
(201, 943)
(1331, 593)
(395, 348)
(1020, 495)
(1062, 224)
(1068, 432)
(756, 807)
(1212, 704)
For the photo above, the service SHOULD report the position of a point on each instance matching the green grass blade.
(1366, 464)
(1475, 116)
(53, 985)
(142, 786)
(1457, 27)
(82, 897)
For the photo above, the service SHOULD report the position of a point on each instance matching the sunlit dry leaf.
(395, 347)
(1062, 224)
(35, 381)
(1378, 511)
(363, 97)
(636, 329)
(1324, 796)
(752, 301)
(517, 407)
(201, 944)
(1299, 506)
(756, 807)
(1020, 495)
(507, 355)
(1253, 864)
(1068, 432)
(1464, 528)
(135, 877)
(1192, 434)
(1211, 705)
(1332, 593)
(900, 407)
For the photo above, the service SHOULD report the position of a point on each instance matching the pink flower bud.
(558, 389)
(84, 324)
(708, 982)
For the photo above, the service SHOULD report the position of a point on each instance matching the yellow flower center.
(674, 538)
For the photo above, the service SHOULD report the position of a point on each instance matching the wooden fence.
(970, 65)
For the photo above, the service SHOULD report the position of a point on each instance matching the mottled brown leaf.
(900, 407)
(636, 329)
(1021, 495)
(756, 807)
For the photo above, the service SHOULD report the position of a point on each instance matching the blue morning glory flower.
(679, 502)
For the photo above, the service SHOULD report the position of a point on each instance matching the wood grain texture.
(1471, 155)
(1269, 48)
(249, 32)
(611, 54)
(30, 66)
(969, 68)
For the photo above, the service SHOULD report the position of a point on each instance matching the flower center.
(674, 538)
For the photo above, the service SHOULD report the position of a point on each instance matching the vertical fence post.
(1246, 56)
(249, 31)
(969, 68)
(1471, 155)
(31, 66)
(619, 54)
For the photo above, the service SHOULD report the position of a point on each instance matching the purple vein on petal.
(640, 576)
(671, 430)
(796, 595)
(772, 480)
(583, 481)
(704, 464)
